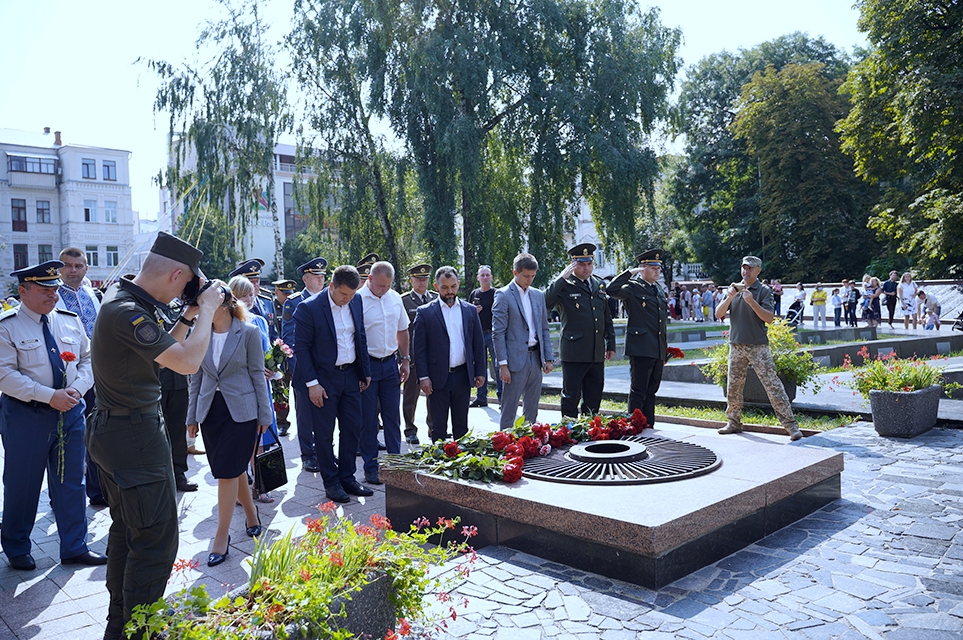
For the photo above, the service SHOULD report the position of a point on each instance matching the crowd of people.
(105, 392)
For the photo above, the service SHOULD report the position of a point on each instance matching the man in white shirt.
(449, 353)
(523, 347)
(386, 327)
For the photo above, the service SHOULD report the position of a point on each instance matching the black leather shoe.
(413, 440)
(98, 502)
(478, 403)
(23, 563)
(355, 488)
(89, 558)
(184, 485)
(381, 447)
(337, 494)
(257, 529)
(373, 478)
(282, 431)
(215, 559)
(311, 466)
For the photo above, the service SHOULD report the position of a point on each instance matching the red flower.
(380, 522)
(542, 431)
(561, 437)
(674, 352)
(335, 558)
(598, 433)
(451, 449)
(404, 627)
(512, 471)
(529, 445)
(500, 440)
(639, 421)
(68, 356)
(514, 450)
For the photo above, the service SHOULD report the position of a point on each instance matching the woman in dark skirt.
(229, 399)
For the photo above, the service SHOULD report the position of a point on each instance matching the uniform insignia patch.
(145, 329)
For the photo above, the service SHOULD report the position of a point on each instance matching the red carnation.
(512, 471)
(68, 356)
(529, 445)
(639, 421)
(514, 450)
(500, 440)
(674, 352)
(561, 437)
(451, 449)
(598, 433)
(542, 431)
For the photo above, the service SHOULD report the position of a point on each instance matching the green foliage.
(894, 374)
(296, 581)
(717, 187)
(207, 228)
(904, 130)
(812, 207)
(792, 363)
(225, 116)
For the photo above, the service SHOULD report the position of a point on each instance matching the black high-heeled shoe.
(257, 529)
(215, 559)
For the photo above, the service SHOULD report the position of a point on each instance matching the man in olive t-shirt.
(751, 309)
(127, 438)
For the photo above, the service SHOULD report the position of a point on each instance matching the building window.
(89, 168)
(45, 253)
(90, 211)
(18, 212)
(110, 170)
(294, 221)
(20, 258)
(43, 212)
(113, 256)
(110, 212)
(27, 164)
(93, 256)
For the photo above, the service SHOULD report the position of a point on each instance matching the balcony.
(26, 180)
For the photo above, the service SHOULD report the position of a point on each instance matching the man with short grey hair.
(523, 347)
(751, 306)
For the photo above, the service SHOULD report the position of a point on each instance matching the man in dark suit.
(449, 354)
(312, 275)
(418, 277)
(588, 338)
(645, 341)
(332, 361)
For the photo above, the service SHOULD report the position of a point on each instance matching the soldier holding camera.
(126, 437)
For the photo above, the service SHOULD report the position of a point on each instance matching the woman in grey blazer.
(229, 398)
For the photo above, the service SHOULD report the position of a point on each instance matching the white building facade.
(55, 195)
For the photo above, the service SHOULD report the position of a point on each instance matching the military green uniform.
(587, 333)
(647, 307)
(411, 389)
(128, 441)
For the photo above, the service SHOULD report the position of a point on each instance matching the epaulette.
(67, 311)
(264, 296)
(9, 313)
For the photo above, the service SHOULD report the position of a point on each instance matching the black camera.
(193, 290)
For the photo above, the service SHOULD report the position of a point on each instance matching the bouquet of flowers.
(276, 360)
(674, 352)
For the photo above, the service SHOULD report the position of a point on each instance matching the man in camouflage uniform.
(588, 338)
(751, 306)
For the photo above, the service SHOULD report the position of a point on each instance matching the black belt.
(534, 347)
(344, 367)
(32, 404)
(460, 367)
(128, 411)
(385, 359)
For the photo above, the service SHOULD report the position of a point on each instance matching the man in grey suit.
(523, 347)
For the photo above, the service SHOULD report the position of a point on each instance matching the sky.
(71, 66)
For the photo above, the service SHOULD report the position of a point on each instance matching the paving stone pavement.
(882, 562)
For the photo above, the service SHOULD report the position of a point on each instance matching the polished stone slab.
(646, 534)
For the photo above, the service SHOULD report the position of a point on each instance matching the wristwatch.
(406, 357)
(185, 321)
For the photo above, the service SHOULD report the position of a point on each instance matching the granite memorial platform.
(646, 534)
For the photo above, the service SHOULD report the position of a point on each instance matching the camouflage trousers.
(759, 356)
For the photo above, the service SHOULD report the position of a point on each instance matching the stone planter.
(754, 391)
(369, 613)
(904, 414)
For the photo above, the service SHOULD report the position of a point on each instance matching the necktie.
(53, 352)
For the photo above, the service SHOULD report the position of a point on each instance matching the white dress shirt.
(344, 331)
(384, 317)
(456, 333)
(527, 312)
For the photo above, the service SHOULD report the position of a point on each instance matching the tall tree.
(225, 116)
(813, 208)
(905, 130)
(718, 183)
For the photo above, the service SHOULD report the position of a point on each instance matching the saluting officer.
(645, 340)
(263, 306)
(588, 338)
(419, 294)
(41, 382)
(312, 275)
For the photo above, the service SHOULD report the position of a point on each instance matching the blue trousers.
(30, 444)
(343, 405)
(302, 415)
(385, 387)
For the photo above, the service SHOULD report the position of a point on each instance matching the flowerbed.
(889, 373)
(298, 586)
(501, 456)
